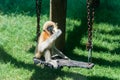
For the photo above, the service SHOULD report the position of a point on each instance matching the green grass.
(17, 41)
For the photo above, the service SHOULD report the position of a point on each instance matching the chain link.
(38, 11)
(90, 18)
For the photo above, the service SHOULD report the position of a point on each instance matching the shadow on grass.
(105, 50)
(39, 74)
(22, 6)
(17, 6)
(98, 61)
(46, 73)
(79, 32)
(99, 78)
(113, 32)
(74, 37)
(98, 49)
(32, 49)
(51, 74)
(5, 57)
(109, 16)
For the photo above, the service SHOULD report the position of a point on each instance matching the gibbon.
(46, 43)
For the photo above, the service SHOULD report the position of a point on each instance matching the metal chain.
(38, 11)
(90, 17)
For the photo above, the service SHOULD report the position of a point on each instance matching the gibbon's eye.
(50, 29)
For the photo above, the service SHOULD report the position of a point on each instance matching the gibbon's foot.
(39, 60)
(35, 60)
(66, 58)
(53, 63)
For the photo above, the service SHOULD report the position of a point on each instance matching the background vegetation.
(17, 41)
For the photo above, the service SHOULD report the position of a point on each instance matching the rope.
(38, 11)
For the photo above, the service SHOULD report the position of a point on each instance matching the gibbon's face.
(50, 29)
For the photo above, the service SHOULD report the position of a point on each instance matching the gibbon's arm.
(49, 41)
(59, 53)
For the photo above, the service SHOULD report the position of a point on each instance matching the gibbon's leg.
(38, 54)
(53, 50)
(59, 53)
(48, 59)
(47, 55)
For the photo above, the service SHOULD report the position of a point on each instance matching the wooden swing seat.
(63, 62)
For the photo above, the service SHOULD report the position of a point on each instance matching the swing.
(63, 62)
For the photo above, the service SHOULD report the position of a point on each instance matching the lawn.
(18, 32)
